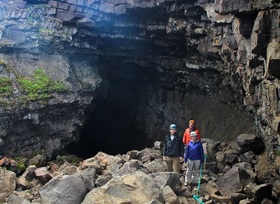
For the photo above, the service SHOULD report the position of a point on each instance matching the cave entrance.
(112, 127)
(139, 106)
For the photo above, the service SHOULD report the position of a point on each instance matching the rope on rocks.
(196, 196)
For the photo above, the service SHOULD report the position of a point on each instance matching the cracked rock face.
(212, 61)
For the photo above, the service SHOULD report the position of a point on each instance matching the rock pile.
(233, 173)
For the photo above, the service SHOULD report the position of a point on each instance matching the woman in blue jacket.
(194, 156)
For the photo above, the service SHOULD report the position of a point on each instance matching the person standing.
(173, 152)
(194, 156)
(187, 136)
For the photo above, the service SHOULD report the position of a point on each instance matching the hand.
(164, 158)
(181, 159)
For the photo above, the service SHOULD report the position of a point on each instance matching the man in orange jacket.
(187, 137)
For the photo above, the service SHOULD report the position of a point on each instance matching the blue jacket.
(173, 148)
(194, 151)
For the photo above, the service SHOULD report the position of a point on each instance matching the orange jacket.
(187, 136)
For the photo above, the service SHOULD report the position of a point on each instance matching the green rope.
(197, 199)
(196, 196)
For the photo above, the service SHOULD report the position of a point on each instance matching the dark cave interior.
(111, 127)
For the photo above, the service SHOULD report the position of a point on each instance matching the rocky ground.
(233, 173)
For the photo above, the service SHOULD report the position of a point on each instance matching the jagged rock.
(212, 175)
(250, 142)
(217, 18)
(100, 161)
(224, 168)
(38, 160)
(54, 190)
(259, 34)
(265, 169)
(249, 189)
(114, 167)
(213, 166)
(155, 166)
(211, 188)
(247, 157)
(220, 199)
(276, 186)
(38, 117)
(276, 124)
(14, 199)
(230, 158)
(115, 170)
(221, 167)
(131, 166)
(227, 6)
(237, 177)
(235, 198)
(103, 179)
(220, 157)
(166, 179)
(262, 191)
(24, 181)
(248, 168)
(267, 201)
(158, 145)
(146, 158)
(137, 188)
(67, 169)
(273, 57)
(89, 176)
(169, 196)
(246, 201)
(42, 175)
(7, 183)
(54, 168)
(133, 154)
(153, 202)
(153, 153)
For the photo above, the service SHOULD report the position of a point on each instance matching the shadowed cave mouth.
(111, 127)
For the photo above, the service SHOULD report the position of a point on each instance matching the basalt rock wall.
(215, 61)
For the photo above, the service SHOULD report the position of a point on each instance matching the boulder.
(43, 175)
(235, 198)
(24, 181)
(64, 190)
(169, 196)
(155, 166)
(250, 142)
(265, 169)
(263, 191)
(237, 177)
(103, 179)
(88, 176)
(7, 183)
(163, 179)
(14, 199)
(137, 188)
(273, 57)
(228, 6)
